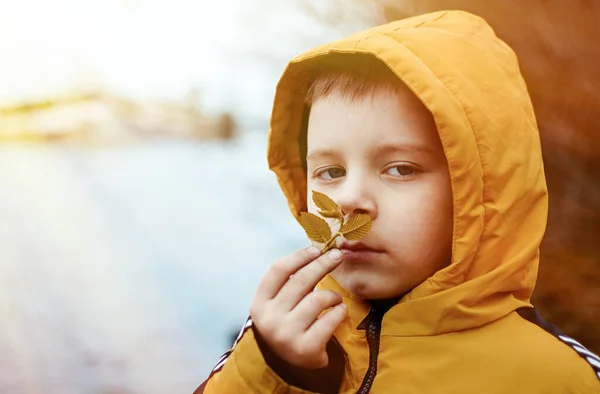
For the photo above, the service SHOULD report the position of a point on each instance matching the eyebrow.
(401, 147)
(320, 154)
(382, 149)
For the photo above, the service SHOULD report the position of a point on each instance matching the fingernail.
(335, 254)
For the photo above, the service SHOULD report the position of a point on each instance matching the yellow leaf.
(357, 227)
(331, 214)
(316, 228)
(328, 207)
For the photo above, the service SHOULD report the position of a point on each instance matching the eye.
(401, 170)
(330, 173)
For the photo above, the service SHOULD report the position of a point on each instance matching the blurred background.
(137, 211)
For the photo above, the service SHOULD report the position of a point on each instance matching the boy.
(426, 125)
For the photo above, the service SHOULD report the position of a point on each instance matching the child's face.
(382, 155)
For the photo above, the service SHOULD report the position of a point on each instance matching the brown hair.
(353, 77)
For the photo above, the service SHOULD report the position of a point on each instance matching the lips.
(359, 251)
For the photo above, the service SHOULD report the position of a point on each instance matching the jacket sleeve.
(250, 367)
(243, 369)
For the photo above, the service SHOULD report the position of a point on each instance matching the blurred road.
(125, 270)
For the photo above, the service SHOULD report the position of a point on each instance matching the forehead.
(380, 118)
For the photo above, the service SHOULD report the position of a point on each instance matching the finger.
(310, 307)
(280, 272)
(322, 330)
(307, 277)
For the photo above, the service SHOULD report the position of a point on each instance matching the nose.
(357, 197)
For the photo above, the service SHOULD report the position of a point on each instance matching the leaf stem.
(331, 242)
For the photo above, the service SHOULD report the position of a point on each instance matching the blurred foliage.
(226, 126)
(557, 45)
(105, 118)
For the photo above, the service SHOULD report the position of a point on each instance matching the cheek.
(310, 204)
(423, 217)
(311, 207)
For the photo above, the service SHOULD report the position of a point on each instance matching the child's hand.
(285, 308)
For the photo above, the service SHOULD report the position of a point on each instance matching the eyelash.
(323, 171)
(405, 165)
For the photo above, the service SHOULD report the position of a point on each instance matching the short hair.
(353, 76)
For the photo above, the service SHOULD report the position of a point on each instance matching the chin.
(369, 287)
(366, 290)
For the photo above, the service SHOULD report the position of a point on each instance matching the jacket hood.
(470, 81)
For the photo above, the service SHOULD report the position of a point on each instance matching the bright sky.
(233, 50)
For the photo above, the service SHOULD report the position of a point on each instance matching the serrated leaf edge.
(305, 222)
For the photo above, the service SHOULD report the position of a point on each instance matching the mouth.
(359, 252)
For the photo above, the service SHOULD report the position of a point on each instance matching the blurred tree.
(557, 46)
(227, 127)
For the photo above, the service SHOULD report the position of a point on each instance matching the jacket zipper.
(373, 335)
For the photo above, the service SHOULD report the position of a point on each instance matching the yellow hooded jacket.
(470, 328)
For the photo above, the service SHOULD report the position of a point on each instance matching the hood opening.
(470, 82)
